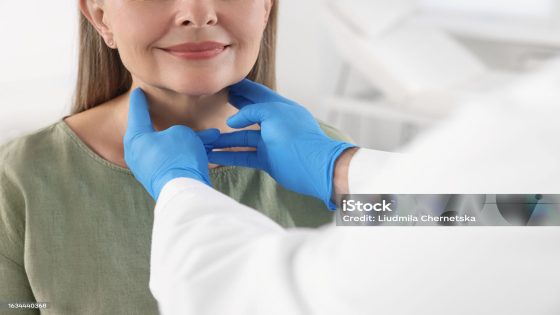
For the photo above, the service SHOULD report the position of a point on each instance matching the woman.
(75, 225)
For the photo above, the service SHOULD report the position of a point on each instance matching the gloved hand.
(154, 157)
(291, 146)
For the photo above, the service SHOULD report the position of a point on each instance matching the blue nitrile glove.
(291, 146)
(155, 157)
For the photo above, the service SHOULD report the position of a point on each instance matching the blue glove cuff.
(158, 185)
(339, 148)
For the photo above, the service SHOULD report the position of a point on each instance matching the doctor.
(212, 255)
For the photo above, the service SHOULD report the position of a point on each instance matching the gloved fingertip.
(213, 134)
(137, 94)
(233, 121)
(209, 135)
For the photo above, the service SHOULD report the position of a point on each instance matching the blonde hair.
(102, 75)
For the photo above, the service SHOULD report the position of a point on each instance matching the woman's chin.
(200, 88)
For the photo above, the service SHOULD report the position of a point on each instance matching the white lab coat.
(212, 255)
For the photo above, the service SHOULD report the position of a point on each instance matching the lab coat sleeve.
(212, 255)
(366, 165)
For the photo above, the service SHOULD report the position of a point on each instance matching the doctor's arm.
(212, 255)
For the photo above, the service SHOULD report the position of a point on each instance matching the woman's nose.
(198, 13)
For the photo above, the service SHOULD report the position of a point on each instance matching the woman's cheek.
(135, 43)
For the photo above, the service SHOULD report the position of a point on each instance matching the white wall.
(307, 64)
(540, 9)
(37, 63)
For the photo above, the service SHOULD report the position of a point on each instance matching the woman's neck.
(168, 109)
(103, 127)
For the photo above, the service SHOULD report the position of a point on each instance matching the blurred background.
(383, 71)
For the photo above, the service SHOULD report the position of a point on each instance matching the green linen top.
(75, 229)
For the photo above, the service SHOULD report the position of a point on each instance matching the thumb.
(139, 120)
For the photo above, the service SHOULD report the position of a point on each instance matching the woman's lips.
(204, 51)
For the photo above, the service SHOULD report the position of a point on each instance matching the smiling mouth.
(198, 53)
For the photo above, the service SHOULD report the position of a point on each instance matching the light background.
(39, 53)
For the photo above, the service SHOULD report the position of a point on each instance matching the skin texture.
(189, 92)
